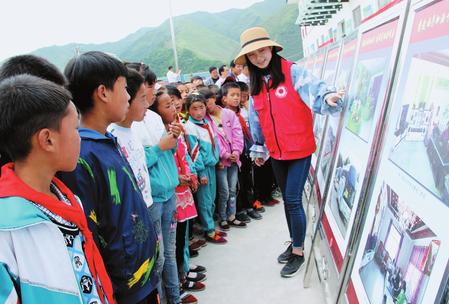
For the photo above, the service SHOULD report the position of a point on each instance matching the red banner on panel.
(350, 293)
(431, 22)
(332, 56)
(349, 49)
(338, 258)
(379, 38)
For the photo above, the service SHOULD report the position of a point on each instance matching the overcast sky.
(26, 25)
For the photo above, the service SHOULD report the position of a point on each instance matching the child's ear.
(101, 93)
(45, 140)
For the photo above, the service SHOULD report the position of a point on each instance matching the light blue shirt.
(312, 91)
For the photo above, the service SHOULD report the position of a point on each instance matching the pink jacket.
(230, 140)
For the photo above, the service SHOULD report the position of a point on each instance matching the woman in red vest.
(282, 127)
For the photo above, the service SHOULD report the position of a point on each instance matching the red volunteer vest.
(285, 119)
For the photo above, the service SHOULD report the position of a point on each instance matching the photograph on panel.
(318, 126)
(399, 254)
(421, 125)
(368, 80)
(421, 134)
(326, 154)
(343, 190)
(368, 84)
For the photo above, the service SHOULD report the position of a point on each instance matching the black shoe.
(224, 225)
(293, 266)
(285, 256)
(195, 276)
(254, 214)
(236, 223)
(242, 217)
(193, 253)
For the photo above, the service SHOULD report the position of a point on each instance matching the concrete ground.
(245, 270)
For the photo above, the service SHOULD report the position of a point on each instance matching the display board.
(340, 81)
(404, 248)
(365, 102)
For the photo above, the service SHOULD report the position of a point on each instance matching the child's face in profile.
(118, 100)
(149, 92)
(184, 91)
(232, 99)
(197, 110)
(177, 102)
(244, 97)
(166, 109)
(68, 141)
(211, 104)
(139, 105)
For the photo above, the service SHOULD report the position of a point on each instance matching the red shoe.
(187, 298)
(221, 233)
(276, 201)
(216, 239)
(257, 205)
(269, 203)
(193, 286)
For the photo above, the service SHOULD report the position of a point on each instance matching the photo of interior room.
(343, 191)
(399, 254)
(421, 133)
(326, 155)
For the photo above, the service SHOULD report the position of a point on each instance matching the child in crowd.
(245, 201)
(180, 107)
(164, 179)
(33, 65)
(205, 155)
(43, 229)
(230, 142)
(103, 179)
(197, 81)
(128, 141)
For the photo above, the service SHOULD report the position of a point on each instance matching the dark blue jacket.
(117, 215)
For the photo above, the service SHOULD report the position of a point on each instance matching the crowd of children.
(116, 180)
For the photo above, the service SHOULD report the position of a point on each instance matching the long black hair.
(274, 69)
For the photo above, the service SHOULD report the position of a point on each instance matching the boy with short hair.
(33, 65)
(47, 251)
(104, 180)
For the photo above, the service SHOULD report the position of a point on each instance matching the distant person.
(173, 76)
(104, 181)
(48, 254)
(214, 76)
(236, 70)
(287, 135)
(197, 81)
(244, 76)
(223, 72)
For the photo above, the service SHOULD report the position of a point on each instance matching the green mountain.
(202, 39)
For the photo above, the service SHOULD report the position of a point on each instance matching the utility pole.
(173, 39)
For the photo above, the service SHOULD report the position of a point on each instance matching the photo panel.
(369, 84)
(333, 126)
(399, 253)
(353, 149)
(421, 126)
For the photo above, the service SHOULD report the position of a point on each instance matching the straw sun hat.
(252, 39)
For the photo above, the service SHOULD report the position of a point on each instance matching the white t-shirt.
(132, 149)
(243, 78)
(172, 77)
(150, 130)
